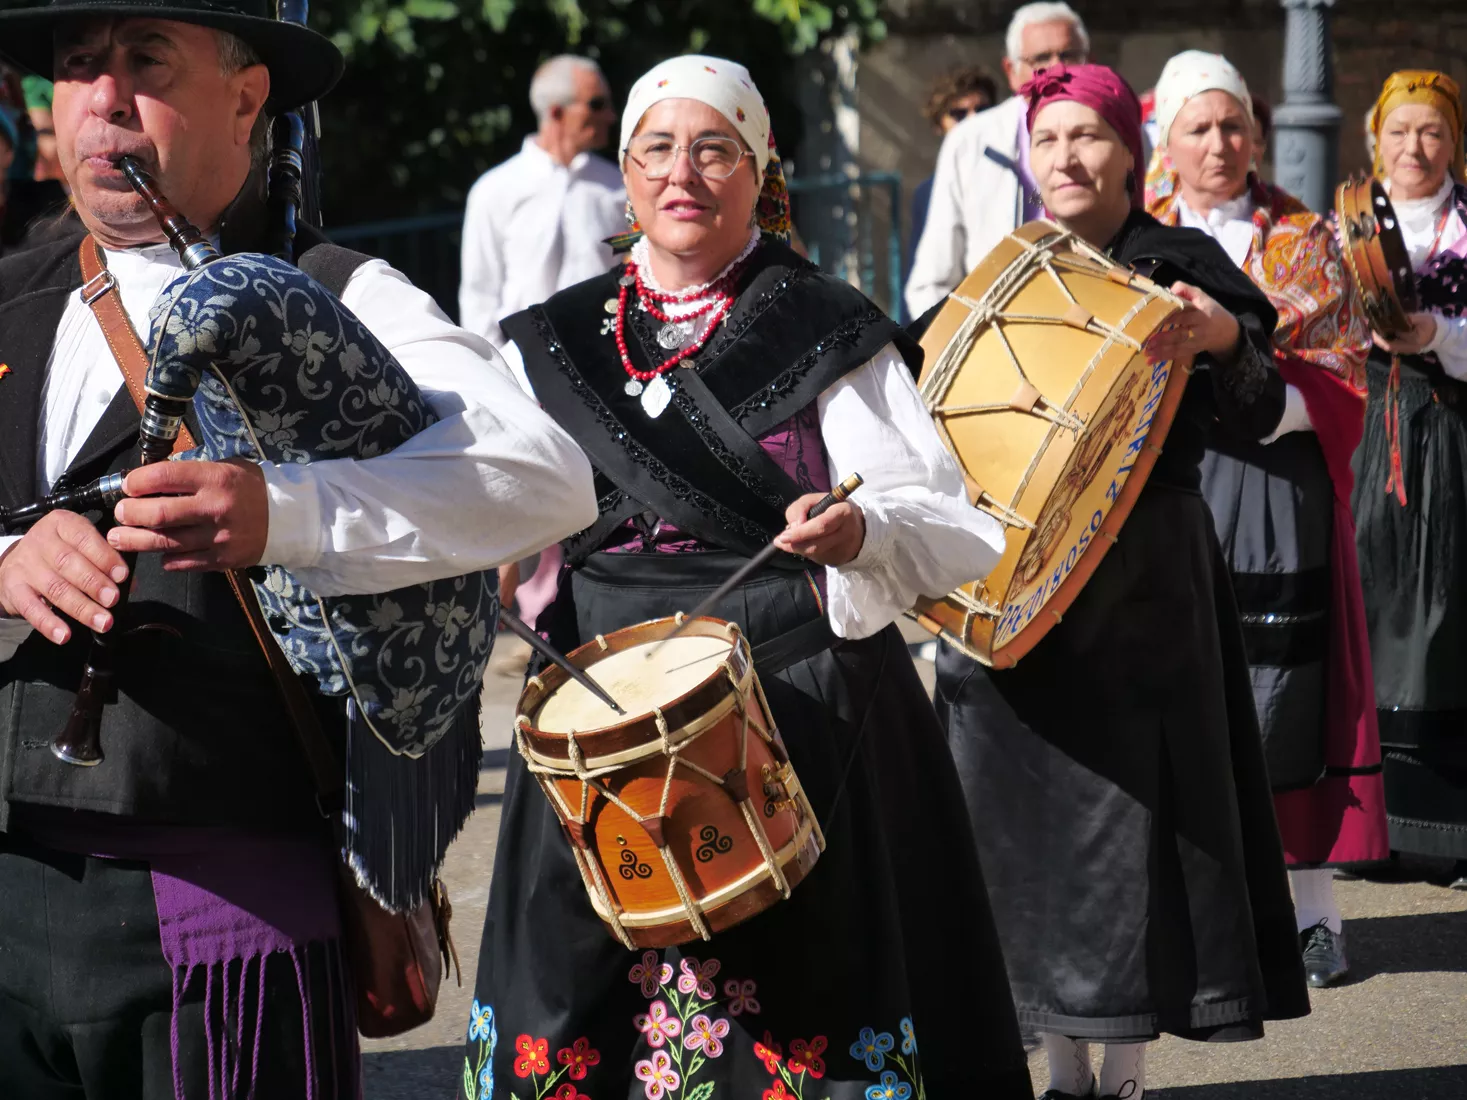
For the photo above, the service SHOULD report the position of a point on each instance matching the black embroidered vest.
(197, 734)
(792, 332)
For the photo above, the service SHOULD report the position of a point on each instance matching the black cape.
(854, 979)
(1115, 778)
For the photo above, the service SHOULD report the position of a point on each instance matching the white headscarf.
(723, 85)
(1189, 74)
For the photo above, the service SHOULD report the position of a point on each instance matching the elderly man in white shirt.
(538, 222)
(983, 188)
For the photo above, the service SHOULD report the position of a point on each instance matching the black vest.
(198, 734)
(793, 331)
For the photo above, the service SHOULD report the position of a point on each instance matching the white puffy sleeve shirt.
(495, 479)
(923, 538)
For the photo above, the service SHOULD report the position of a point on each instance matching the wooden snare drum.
(1038, 385)
(685, 815)
(1375, 250)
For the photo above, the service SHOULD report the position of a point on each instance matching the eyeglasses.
(957, 114)
(714, 158)
(1044, 60)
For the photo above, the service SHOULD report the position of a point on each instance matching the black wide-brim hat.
(303, 65)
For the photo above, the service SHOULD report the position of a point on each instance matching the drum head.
(643, 676)
(1056, 417)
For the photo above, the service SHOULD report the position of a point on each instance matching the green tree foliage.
(437, 91)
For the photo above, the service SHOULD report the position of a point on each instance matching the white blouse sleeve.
(493, 480)
(1449, 342)
(1296, 415)
(922, 535)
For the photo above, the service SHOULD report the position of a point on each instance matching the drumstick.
(759, 560)
(545, 649)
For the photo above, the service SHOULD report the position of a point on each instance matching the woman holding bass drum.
(1411, 478)
(721, 385)
(1115, 777)
(1282, 504)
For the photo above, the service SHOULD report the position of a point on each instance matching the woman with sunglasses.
(721, 385)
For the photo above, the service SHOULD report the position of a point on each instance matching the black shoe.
(1324, 955)
(1092, 1093)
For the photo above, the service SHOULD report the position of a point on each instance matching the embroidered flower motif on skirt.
(806, 1056)
(909, 1036)
(658, 1074)
(650, 974)
(578, 1058)
(872, 1048)
(532, 1062)
(769, 1052)
(707, 1035)
(533, 1056)
(657, 1024)
(478, 1080)
(892, 1087)
(741, 996)
(697, 978)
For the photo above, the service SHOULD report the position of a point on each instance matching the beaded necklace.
(649, 385)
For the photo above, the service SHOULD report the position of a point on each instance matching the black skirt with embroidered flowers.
(881, 977)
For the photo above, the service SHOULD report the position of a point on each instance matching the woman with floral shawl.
(1411, 484)
(1282, 504)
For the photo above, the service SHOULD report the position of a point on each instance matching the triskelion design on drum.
(685, 814)
(1038, 385)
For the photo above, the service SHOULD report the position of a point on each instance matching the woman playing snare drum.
(721, 385)
(1282, 504)
(1115, 777)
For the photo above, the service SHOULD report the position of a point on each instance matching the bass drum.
(1037, 383)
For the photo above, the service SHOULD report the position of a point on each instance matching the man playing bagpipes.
(354, 467)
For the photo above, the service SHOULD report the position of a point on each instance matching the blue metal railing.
(836, 216)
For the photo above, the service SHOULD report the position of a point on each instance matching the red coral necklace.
(649, 385)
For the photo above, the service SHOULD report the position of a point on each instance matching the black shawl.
(792, 332)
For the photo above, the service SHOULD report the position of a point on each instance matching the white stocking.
(1069, 1064)
(1124, 1073)
(1314, 899)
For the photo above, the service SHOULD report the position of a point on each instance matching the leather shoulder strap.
(99, 291)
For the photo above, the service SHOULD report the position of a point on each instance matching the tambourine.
(1375, 250)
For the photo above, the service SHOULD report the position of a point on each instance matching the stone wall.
(927, 37)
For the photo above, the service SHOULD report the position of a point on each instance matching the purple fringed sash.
(241, 902)
(231, 903)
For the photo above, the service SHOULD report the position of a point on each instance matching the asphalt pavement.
(1395, 1030)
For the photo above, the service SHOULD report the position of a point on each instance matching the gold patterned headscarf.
(1431, 89)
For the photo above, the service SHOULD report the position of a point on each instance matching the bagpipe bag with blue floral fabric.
(278, 370)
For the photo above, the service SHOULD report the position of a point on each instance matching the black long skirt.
(1117, 788)
(1413, 566)
(1273, 506)
(883, 968)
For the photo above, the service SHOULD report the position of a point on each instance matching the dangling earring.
(1131, 181)
(631, 217)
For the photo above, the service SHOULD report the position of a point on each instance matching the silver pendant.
(674, 334)
(656, 396)
(626, 280)
(632, 388)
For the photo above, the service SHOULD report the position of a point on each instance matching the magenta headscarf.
(1103, 90)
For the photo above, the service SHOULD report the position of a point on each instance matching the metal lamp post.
(1307, 123)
